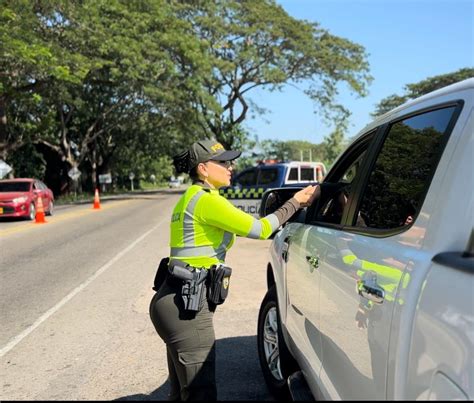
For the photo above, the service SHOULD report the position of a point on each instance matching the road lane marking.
(15, 340)
(62, 217)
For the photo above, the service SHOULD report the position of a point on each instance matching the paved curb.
(121, 196)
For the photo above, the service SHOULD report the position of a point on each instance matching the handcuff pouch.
(219, 281)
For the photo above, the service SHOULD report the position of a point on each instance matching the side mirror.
(273, 199)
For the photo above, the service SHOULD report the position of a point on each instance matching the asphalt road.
(74, 296)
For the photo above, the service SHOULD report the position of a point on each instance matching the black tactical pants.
(190, 344)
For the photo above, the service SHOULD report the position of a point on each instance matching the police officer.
(203, 228)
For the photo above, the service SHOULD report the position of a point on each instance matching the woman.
(203, 228)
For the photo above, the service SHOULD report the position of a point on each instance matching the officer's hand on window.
(307, 195)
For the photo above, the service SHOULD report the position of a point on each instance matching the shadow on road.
(238, 373)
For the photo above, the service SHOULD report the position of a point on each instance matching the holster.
(161, 273)
(219, 281)
(192, 293)
(192, 284)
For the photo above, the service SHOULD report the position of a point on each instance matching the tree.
(257, 44)
(293, 150)
(33, 54)
(115, 83)
(415, 90)
(28, 162)
(136, 59)
(334, 144)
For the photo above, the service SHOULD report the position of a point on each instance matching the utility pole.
(301, 155)
(310, 155)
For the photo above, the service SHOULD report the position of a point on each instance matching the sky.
(406, 41)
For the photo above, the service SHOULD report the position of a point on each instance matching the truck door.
(303, 284)
(365, 268)
(308, 246)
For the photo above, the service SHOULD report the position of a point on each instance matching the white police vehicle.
(370, 288)
(249, 185)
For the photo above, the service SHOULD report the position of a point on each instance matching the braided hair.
(181, 162)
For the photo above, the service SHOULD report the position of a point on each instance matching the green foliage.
(293, 150)
(399, 176)
(162, 168)
(115, 86)
(416, 90)
(297, 150)
(27, 162)
(335, 143)
(257, 44)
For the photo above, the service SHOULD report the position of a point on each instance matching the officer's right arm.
(218, 211)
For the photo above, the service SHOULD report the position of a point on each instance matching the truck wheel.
(275, 359)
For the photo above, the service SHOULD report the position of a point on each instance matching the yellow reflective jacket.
(204, 224)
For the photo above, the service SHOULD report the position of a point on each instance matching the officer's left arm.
(218, 211)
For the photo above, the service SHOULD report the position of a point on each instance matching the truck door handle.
(284, 249)
(371, 291)
(313, 262)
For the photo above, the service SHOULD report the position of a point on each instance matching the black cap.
(207, 150)
(203, 151)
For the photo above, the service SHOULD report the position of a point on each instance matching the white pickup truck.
(370, 289)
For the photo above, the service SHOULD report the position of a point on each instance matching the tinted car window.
(336, 190)
(247, 178)
(293, 175)
(307, 174)
(268, 176)
(15, 187)
(403, 170)
(332, 210)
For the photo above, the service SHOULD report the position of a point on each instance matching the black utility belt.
(194, 281)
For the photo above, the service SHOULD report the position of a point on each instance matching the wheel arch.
(270, 276)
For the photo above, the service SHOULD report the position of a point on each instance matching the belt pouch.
(219, 284)
(161, 273)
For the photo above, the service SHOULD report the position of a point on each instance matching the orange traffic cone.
(96, 199)
(39, 218)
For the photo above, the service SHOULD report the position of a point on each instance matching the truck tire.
(275, 360)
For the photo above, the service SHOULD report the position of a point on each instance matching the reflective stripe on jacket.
(204, 224)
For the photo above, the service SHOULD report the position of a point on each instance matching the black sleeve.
(285, 212)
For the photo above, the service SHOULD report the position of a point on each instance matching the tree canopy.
(257, 44)
(420, 88)
(114, 84)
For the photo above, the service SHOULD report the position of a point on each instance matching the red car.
(19, 197)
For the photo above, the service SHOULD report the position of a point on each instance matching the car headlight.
(21, 199)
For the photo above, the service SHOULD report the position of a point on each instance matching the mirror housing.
(273, 199)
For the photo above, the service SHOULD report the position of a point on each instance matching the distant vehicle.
(249, 185)
(174, 183)
(370, 289)
(19, 197)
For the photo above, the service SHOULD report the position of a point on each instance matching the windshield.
(15, 186)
